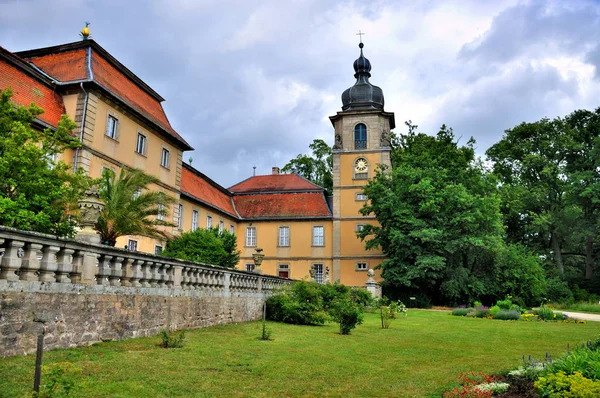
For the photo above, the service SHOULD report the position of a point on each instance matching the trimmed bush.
(507, 315)
(544, 313)
(494, 310)
(300, 303)
(563, 385)
(461, 311)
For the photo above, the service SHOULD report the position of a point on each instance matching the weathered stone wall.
(83, 315)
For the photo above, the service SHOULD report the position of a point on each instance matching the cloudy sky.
(253, 82)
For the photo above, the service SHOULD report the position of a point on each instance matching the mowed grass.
(420, 356)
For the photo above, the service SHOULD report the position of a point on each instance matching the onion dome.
(363, 95)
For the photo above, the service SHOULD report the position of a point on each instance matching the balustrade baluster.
(103, 270)
(11, 262)
(148, 274)
(115, 271)
(48, 265)
(30, 264)
(136, 273)
(126, 272)
(64, 267)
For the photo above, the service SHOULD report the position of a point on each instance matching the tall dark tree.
(316, 167)
(37, 193)
(439, 218)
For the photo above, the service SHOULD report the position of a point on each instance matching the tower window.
(360, 136)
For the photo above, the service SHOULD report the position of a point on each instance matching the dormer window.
(360, 136)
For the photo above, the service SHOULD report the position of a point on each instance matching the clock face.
(361, 165)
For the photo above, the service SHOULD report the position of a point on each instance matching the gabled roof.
(87, 61)
(275, 183)
(201, 188)
(282, 205)
(30, 86)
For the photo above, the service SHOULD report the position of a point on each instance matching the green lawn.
(419, 356)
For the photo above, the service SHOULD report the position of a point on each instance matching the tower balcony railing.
(360, 144)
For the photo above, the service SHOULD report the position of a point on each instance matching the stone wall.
(78, 293)
(88, 314)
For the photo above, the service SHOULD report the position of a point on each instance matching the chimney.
(275, 170)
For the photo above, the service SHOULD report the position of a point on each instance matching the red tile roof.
(282, 205)
(275, 183)
(116, 82)
(64, 67)
(201, 187)
(27, 89)
(69, 63)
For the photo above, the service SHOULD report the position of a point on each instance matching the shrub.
(347, 312)
(563, 385)
(481, 312)
(544, 313)
(171, 339)
(507, 315)
(461, 311)
(505, 304)
(300, 303)
(363, 297)
(582, 360)
(389, 310)
(494, 310)
(329, 292)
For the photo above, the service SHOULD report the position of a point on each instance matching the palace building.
(121, 124)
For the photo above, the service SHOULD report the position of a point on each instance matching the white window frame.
(137, 194)
(284, 238)
(221, 226)
(208, 222)
(318, 238)
(251, 236)
(114, 132)
(359, 266)
(283, 268)
(360, 227)
(231, 228)
(361, 197)
(158, 249)
(180, 219)
(195, 216)
(141, 144)
(319, 267)
(160, 216)
(164, 158)
(250, 267)
(132, 245)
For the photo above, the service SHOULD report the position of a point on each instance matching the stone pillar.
(87, 266)
(103, 270)
(177, 276)
(90, 209)
(227, 282)
(136, 273)
(11, 262)
(126, 272)
(48, 265)
(259, 284)
(372, 285)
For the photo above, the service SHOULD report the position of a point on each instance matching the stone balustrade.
(44, 259)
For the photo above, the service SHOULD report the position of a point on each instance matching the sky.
(252, 83)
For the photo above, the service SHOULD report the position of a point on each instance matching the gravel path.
(582, 315)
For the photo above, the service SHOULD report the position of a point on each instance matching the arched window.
(360, 136)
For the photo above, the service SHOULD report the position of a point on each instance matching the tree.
(317, 167)
(130, 208)
(207, 246)
(530, 161)
(37, 193)
(439, 217)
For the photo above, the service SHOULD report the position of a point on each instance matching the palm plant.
(129, 208)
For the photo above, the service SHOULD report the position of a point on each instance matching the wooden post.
(38, 363)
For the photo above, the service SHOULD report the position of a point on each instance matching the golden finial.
(85, 32)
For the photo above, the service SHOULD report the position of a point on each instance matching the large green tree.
(37, 193)
(316, 167)
(439, 217)
(207, 246)
(131, 207)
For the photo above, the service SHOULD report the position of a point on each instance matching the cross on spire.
(360, 35)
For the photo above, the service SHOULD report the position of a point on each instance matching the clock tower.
(362, 131)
